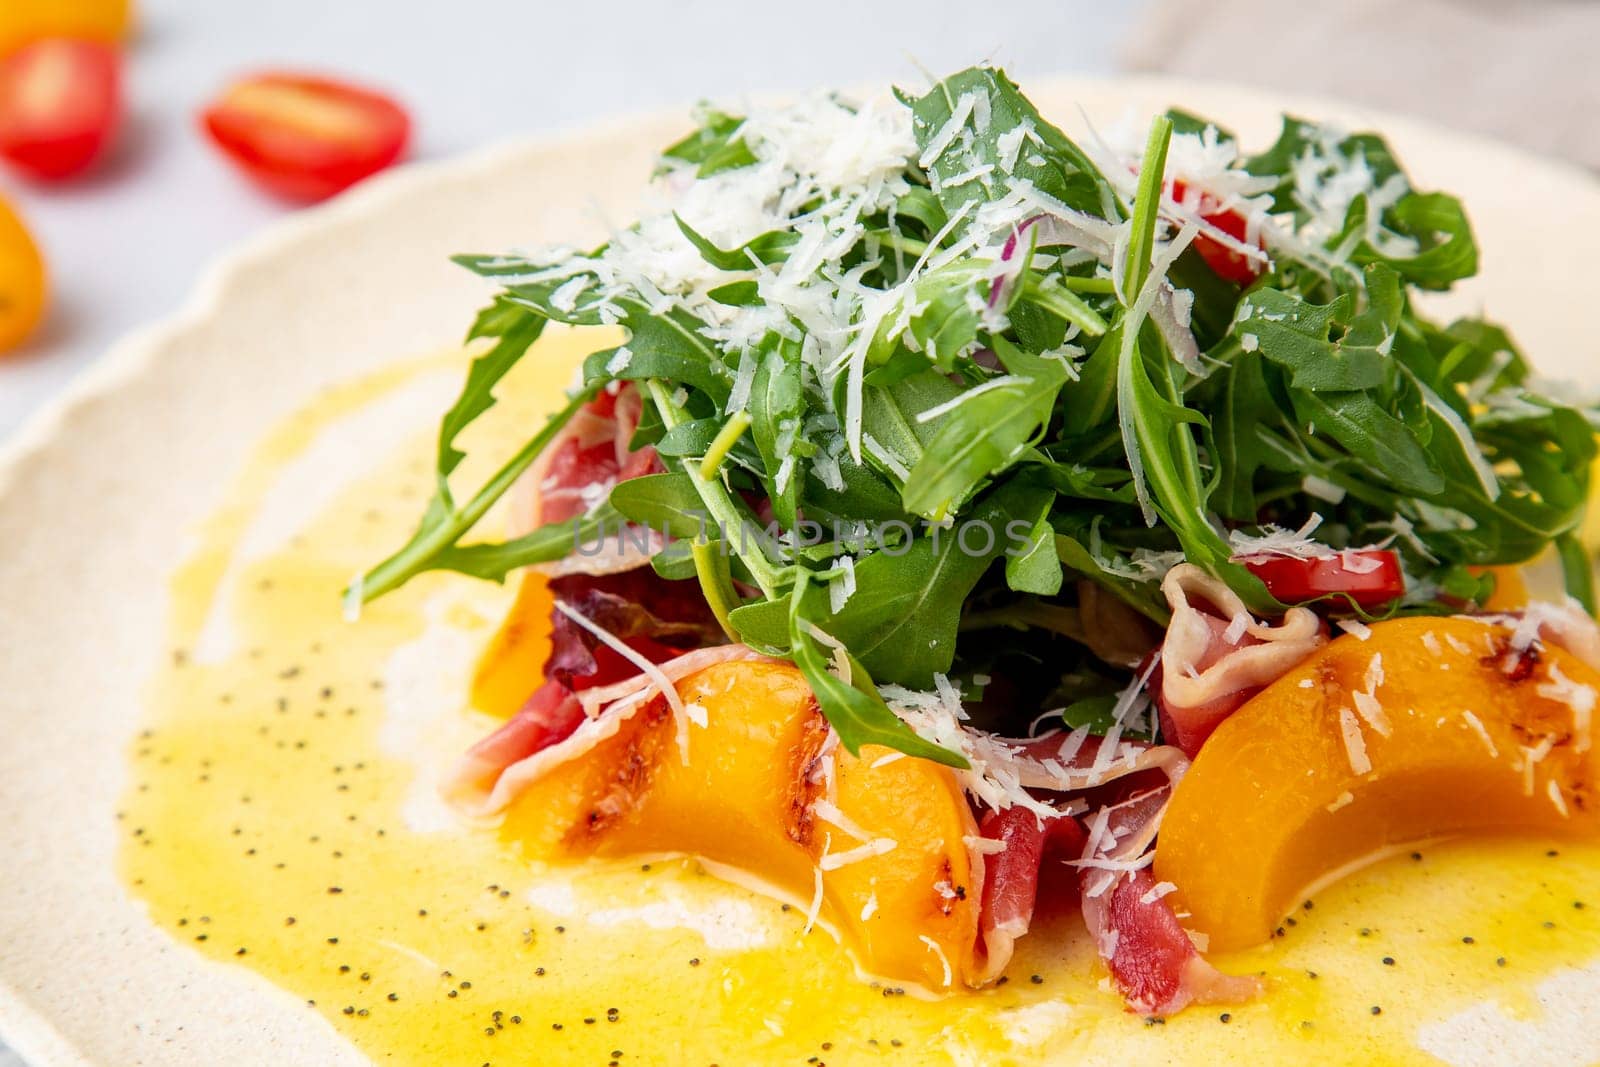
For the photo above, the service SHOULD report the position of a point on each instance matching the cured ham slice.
(577, 472)
(1153, 962)
(1012, 875)
(1034, 831)
(1216, 655)
(549, 716)
(659, 619)
(482, 787)
(588, 457)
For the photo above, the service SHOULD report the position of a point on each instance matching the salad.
(971, 515)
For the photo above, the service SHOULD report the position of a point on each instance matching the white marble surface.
(126, 246)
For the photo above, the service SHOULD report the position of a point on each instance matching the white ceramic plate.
(98, 494)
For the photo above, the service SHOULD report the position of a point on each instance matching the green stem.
(1145, 208)
(413, 558)
(1087, 285)
(1065, 304)
(716, 582)
(719, 505)
(723, 443)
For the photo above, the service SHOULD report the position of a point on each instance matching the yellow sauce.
(273, 823)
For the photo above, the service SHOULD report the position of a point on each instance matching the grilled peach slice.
(1431, 726)
(762, 796)
(517, 652)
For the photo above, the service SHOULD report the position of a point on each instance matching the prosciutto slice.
(575, 474)
(1011, 876)
(1216, 655)
(1153, 962)
(549, 716)
(1036, 831)
(482, 786)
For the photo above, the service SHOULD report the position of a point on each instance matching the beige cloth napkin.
(1523, 72)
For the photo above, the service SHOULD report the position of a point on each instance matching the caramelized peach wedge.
(1426, 727)
(875, 844)
(517, 651)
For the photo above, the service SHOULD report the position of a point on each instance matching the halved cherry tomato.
(23, 282)
(1228, 263)
(60, 102)
(1371, 577)
(306, 138)
(24, 21)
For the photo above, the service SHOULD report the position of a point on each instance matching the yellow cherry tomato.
(22, 21)
(23, 282)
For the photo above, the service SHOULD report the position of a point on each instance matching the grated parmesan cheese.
(1157, 891)
(816, 901)
(944, 961)
(1356, 628)
(1355, 745)
(1475, 724)
(1554, 792)
(1577, 696)
(878, 846)
(842, 586)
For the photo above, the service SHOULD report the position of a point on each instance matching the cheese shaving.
(1475, 724)
(1157, 891)
(1355, 745)
(1356, 628)
(878, 846)
(938, 950)
(816, 901)
(669, 690)
(829, 812)
(1577, 696)
(1559, 801)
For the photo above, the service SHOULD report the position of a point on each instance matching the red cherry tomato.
(1371, 577)
(306, 138)
(60, 102)
(1227, 263)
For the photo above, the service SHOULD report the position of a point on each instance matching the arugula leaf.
(715, 146)
(1155, 428)
(665, 502)
(1446, 249)
(1327, 347)
(1063, 171)
(905, 631)
(1035, 568)
(493, 561)
(853, 708)
(667, 346)
(777, 406)
(443, 524)
(889, 416)
(1241, 403)
(514, 330)
(766, 249)
(1372, 435)
(985, 433)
